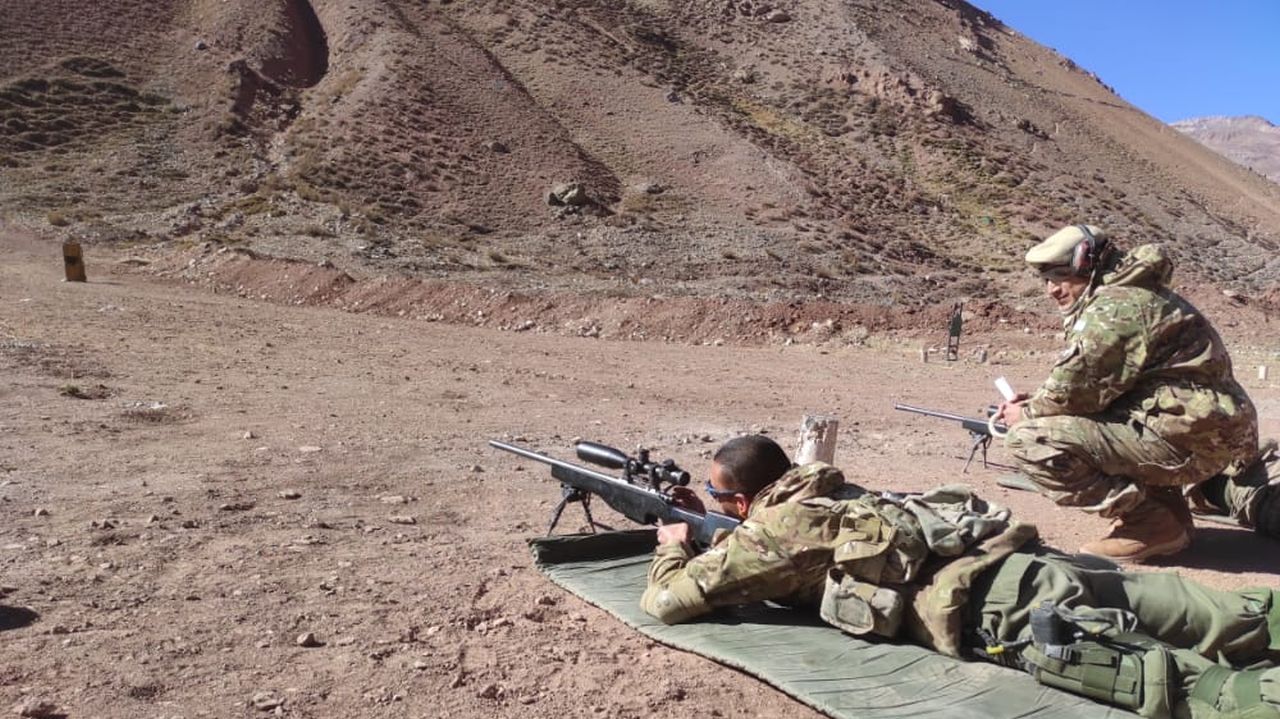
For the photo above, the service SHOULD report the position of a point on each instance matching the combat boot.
(1176, 501)
(1156, 527)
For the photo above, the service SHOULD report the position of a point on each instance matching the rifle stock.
(638, 495)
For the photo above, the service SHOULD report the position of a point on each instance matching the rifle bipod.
(980, 441)
(572, 494)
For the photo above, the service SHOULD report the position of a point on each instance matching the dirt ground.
(190, 481)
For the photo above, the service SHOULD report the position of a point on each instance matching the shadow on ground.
(16, 617)
(1227, 549)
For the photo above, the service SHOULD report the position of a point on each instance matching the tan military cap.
(1059, 248)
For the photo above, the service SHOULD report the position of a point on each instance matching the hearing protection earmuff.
(1088, 253)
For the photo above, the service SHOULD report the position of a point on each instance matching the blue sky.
(1175, 59)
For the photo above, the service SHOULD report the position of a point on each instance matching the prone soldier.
(950, 572)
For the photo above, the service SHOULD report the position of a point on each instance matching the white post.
(817, 439)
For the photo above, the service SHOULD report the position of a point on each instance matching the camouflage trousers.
(1248, 492)
(1208, 635)
(1102, 466)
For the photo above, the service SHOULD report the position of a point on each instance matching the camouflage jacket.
(1137, 350)
(812, 540)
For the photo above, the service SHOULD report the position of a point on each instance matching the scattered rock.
(778, 16)
(266, 701)
(942, 106)
(40, 512)
(490, 691)
(310, 449)
(496, 147)
(308, 639)
(236, 506)
(393, 499)
(202, 45)
(402, 519)
(249, 435)
(103, 524)
(546, 600)
(745, 75)
(290, 494)
(1030, 128)
(476, 469)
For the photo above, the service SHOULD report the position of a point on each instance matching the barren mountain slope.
(891, 152)
(1250, 141)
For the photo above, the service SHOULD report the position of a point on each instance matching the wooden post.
(73, 261)
(817, 439)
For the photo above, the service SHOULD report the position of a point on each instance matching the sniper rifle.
(642, 494)
(981, 431)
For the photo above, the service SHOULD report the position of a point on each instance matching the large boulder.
(568, 194)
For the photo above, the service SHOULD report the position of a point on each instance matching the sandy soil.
(152, 434)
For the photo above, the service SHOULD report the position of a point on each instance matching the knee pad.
(1128, 670)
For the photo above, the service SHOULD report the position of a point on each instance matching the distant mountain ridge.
(1251, 141)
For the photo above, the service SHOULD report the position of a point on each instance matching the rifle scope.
(655, 473)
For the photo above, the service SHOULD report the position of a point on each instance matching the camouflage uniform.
(1142, 396)
(1247, 491)
(950, 572)
(812, 540)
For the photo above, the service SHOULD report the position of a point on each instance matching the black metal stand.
(572, 494)
(980, 441)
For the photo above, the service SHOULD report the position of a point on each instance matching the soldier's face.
(1065, 290)
(732, 503)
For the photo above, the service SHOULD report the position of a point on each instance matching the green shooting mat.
(819, 665)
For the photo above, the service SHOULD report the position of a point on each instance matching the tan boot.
(1154, 528)
(1177, 502)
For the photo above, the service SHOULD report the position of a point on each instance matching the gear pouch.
(859, 607)
(1128, 670)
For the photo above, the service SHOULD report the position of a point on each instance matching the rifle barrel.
(538, 457)
(933, 413)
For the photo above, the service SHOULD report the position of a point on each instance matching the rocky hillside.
(1250, 141)
(884, 151)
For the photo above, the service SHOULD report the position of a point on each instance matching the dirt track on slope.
(150, 431)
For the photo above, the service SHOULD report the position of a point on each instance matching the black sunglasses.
(720, 493)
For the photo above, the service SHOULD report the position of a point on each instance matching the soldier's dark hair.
(751, 463)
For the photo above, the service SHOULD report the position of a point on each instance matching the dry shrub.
(75, 391)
